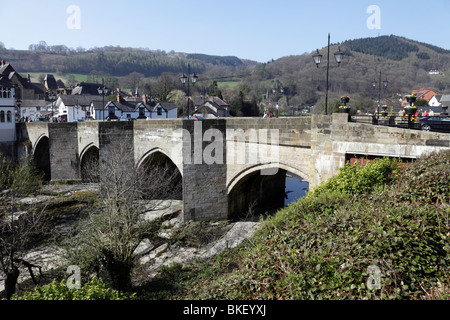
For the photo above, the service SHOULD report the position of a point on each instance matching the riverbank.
(176, 242)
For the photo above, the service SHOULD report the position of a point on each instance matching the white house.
(435, 101)
(211, 107)
(7, 110)
(163, 110)
(75, 107)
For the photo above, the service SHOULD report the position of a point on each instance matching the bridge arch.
(158, 165)
(41, 156)
(89, 163)
(233, 181)
(260, 189)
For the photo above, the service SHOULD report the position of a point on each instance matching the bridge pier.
(64, 157)
(204, 170)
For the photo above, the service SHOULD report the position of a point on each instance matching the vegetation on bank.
(375, 231)
(390, 241)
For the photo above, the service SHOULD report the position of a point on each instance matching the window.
(2, 116)
(111, 109)
(8, 116)
(141, 111)
(159, 111)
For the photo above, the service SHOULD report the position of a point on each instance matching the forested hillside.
(115, 61)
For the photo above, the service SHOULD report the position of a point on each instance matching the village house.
(69, 108)
(425, 94)
(211, 107)
(435, 101)
(445, 100)
(7, 116)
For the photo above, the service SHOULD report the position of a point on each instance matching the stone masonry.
(213, 156)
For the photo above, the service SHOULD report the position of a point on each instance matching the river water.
(296, 188)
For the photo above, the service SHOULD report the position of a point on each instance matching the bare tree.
(17, 226)
(127, 191)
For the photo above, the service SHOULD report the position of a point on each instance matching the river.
(296, 188)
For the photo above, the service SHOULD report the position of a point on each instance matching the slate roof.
(82, 100)
(85, 88)
(50, 81)
(445, 99)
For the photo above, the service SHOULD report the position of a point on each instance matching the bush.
(361, 178)
(426, 180)
(95, 289)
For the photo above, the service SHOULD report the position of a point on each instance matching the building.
(424, 93)
(435, 101)
(211, 107)
(7, 116)
(445, 100)
(163, 110)
(69, 108)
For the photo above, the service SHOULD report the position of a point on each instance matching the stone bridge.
(225, 164)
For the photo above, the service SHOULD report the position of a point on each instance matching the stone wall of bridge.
(214, 156)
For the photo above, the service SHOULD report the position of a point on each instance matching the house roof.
(124, 106)
(83, 100)
(50, 82)
(4, 81)
(86, 88)
(445, 98)
(424, 93)
(166, 106)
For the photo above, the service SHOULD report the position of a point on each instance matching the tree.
(17, 228)
(131, 81)
(127, 191)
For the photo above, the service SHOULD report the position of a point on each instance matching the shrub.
(361, 178)
(95, 289)
(426, 180)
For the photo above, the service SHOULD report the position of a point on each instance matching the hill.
(404, 63)
(115, 61)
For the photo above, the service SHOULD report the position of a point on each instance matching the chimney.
(118, 97)
(3, 62)
(144, 99)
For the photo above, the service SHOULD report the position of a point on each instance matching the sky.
(259, 30)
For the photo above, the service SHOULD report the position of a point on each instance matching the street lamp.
(188, 79)
(338, 56)
(102, 90)
(383, 85)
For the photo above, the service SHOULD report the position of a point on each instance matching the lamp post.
(52, 98)
(188, 79)
(338, 55)
(204, 96)
(102, 91)
(380, 85)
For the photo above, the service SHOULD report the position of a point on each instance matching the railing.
(391, 121)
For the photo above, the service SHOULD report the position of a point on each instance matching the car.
(436, 123)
